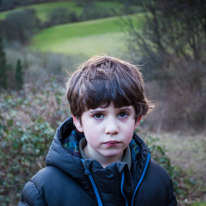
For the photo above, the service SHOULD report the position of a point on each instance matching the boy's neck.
(104, 161)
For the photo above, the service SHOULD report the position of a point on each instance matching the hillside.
(88, 38)
(83, 36)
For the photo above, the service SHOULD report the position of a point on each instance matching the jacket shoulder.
(54, 187)
(31, 195)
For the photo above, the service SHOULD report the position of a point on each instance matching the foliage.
(11, 4)
(3, 67)
(25, 138)
(43, 9)
(60, 15)
(174, 28)
(6, 4)
(38, 65)
(92, 11)
(27, 149)
(84, 3)
(19, 75)
(19, 26)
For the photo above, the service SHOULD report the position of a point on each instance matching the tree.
(3, 67)
(19, 26)
(172, 46)
(61, 15)
(19, 75)
(172, 28)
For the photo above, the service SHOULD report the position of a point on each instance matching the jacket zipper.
(95, 189)
(122, 191)
(87, 172)
(140, 181)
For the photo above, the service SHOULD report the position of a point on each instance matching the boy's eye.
(98, 116)
(122, 114)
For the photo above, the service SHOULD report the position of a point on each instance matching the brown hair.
(103, 79)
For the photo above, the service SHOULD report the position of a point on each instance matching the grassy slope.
(88, 38)
(44, 8)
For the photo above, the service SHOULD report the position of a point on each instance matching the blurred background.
(43, 41)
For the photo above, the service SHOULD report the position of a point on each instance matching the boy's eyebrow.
(125, 109)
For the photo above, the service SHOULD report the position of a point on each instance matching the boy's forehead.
(111, 105)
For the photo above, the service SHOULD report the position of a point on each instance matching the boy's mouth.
(111, 142)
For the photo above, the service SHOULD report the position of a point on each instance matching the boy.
(95, 157)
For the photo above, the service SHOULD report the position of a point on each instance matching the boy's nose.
(111, 127)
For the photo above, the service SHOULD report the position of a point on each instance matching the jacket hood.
(70, 180)
(57, 153)
(66, 161)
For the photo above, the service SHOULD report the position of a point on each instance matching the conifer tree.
(19, 75)
(3, 67)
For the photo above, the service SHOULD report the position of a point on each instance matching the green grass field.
(44, 8)
(103, 36)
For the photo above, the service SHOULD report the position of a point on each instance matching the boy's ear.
(77, 124)
(137, 122)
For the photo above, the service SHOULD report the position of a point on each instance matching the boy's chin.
(112, 154)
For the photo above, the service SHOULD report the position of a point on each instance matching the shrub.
(40, 65)
(25, 138)
(92, 11)
(60, 15)
(22, 152)
(84, 3)
(19, 26)
(19, 75)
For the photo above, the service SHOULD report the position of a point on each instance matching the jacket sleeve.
(31, 196)
(171, 199)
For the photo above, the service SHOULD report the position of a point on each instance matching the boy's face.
(108, 131)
